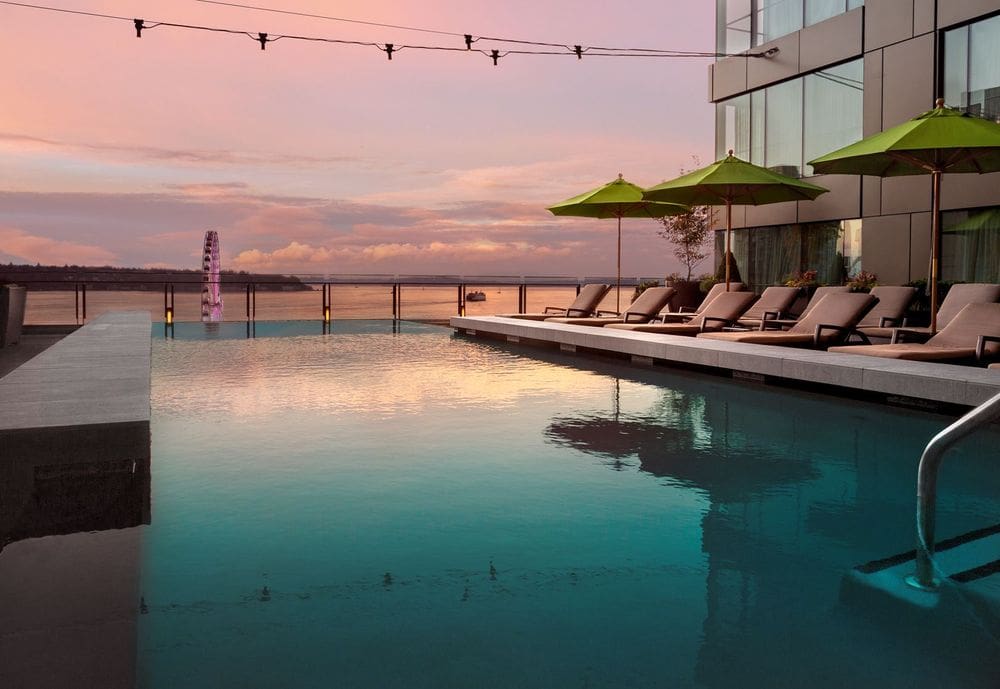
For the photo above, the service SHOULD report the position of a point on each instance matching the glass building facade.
(783, 126)
(746, 24)
(771, 255)
(972, 68)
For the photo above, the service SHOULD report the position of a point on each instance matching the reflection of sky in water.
(711, 557)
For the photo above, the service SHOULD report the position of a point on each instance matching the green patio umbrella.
(938, 141)
(730, 182)
(617, 199)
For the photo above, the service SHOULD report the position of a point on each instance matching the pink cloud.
(18, 245)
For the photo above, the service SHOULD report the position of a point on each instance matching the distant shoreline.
(108, 278)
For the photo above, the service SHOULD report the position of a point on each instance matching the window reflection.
(970, 243)
(769, 255)
(784, 125)
(972, 68)
(744, 24)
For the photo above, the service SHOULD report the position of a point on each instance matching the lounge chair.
(685, 314)
(974, 333)
(828, 322)
(889, 313)
(774, 303)
(722, 312)
(957, 298)
(645, 308)
(815, 299)
(584, 305)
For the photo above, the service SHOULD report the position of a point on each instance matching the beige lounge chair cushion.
(841, 309)
(959, 296)
(818, 296)
(715, 290)
(893, 301)
(778, 299)
(642, 310)
(957, 340)
(727, 306)
(586, 302)
(771, 337)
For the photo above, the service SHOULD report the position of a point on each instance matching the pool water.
(401, 507)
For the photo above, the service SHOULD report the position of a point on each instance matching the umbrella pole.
(729, 231)
(935, 243)
(618, 297)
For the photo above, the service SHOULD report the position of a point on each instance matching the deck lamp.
(170, 315)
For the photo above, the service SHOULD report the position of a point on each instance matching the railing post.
(248, 306)
(461, 300)
(84, 286)
(76, 302)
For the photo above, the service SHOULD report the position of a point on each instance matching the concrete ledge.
(964, 386)
(74, 479)
(98, 374)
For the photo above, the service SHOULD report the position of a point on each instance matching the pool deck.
(907, 382)
(74, 459)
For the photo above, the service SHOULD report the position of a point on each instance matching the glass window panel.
(850, 246)
(783, 128)
(970, 243)
(818, 10)
(984, 68)
(956, 63)
(757, 138)
(776, 18)
(833, 109)
(732, 122)
(732, 25)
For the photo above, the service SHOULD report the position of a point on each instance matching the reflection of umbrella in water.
(727, 473)
(617, 199)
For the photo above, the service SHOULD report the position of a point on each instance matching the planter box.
(12, 299)
(688, 294)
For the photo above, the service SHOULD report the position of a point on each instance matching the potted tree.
(688, 232)
(12, 300)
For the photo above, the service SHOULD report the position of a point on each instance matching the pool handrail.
(927, 473)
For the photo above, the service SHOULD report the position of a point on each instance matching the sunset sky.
(314, 158)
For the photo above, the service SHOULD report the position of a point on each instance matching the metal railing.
(927, 473)
(395, 284)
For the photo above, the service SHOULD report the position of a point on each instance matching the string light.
(263, 38)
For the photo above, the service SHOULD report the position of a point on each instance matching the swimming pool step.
(969, 594)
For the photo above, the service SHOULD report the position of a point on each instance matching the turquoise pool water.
(410, 509)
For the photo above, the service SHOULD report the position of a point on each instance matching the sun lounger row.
(969, 320)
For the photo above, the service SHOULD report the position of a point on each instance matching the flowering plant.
(863, 281)
(803, 278)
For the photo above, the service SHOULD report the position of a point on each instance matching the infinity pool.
(411, 509)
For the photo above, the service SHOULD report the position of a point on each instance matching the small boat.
(475, 296)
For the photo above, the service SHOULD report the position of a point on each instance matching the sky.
(314, 158)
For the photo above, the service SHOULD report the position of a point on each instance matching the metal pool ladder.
(930, 462)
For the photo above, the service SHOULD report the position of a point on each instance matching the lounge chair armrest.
(890, 322)
(771, 324)
(903, 335)
(603, 314)
(818, 332)
(578, 313)
(723, 322)
(981, 345)
(771, 316)
(685, 309)
(555, 309)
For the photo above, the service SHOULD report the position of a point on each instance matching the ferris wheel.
(211, 292)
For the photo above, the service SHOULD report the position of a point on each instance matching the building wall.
(899, 42)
